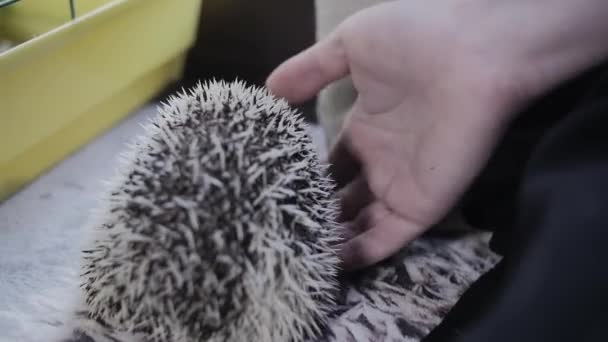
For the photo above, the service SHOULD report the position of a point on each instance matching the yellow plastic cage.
(76, 68)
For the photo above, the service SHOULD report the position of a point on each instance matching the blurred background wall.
(248, 39)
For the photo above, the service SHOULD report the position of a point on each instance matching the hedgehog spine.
(219, 225)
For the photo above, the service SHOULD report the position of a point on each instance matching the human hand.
(437, 83)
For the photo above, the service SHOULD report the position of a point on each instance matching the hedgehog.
(219, 226)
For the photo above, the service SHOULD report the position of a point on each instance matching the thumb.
(304, 75)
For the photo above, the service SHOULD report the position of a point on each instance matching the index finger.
(304, 75)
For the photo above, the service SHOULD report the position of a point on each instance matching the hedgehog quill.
(219, 226)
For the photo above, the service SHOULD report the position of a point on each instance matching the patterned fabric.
(402, 299)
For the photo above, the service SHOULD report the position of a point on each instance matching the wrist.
(533, 45)
(554, 39)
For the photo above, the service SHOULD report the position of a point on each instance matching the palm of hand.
(421, 127)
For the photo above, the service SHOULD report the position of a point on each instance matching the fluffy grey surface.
(41, 235)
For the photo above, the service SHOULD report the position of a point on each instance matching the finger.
(345, 161)
(344, 166)
(383, 239)
(347, 232)
(368, 217)
(362, 221)
(354, 197)
(304, 75)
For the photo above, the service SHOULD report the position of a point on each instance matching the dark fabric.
(545, 194)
